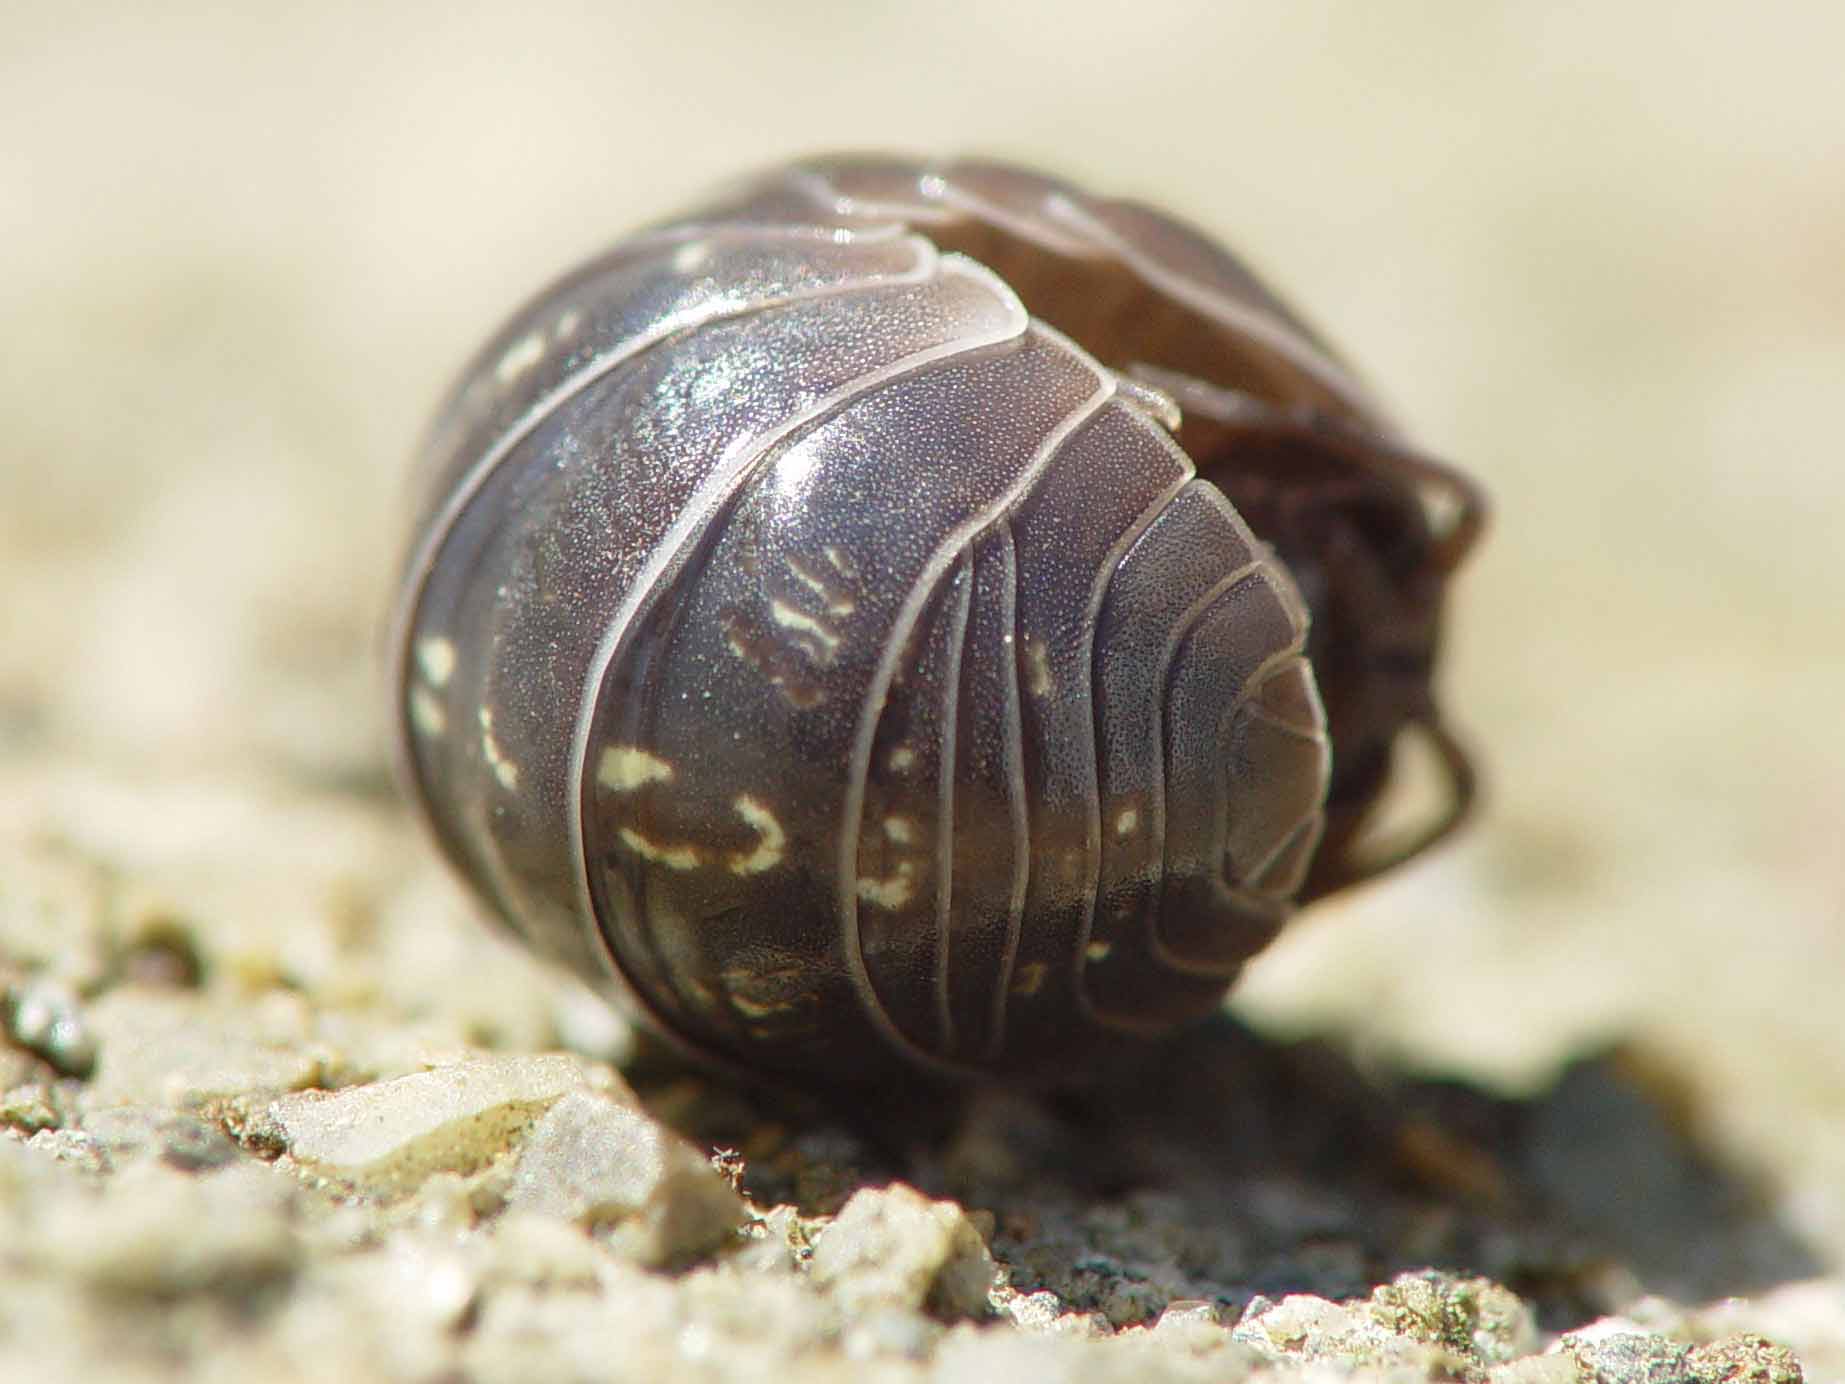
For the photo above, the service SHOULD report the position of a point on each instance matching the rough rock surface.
(273, 1177)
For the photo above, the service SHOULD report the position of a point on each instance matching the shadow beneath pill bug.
(1228, 1164)
(1580, 1197)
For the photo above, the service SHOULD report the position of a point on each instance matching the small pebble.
(894, 1245)
(44, 1017)
(182, 1141)
(1609, 1354)
(387, 1137)
(605, 1163)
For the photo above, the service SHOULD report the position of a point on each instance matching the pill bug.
(904, 614)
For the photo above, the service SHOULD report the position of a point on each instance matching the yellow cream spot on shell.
(838, 602)
(792, 618)
(623, 768)
(902, 759)
(567, 325)
(673, 857)
(893, 891)
(1030, 979)
(435, 658)
(768, 992)
(1127, 822)
(758, 1009)
(519, 357)
(1098, 951)
(691, 257)
(426, 712)
(900, 829)
(770, 838)
(1038, 668)
(504, 769)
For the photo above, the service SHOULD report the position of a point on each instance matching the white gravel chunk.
(600, 1162)
(387, 1137)
(894, 1245)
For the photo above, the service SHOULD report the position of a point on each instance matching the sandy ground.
(1592, 253)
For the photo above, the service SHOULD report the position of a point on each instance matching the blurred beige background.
(1595, 253)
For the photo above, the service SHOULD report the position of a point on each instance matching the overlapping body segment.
(837, 653)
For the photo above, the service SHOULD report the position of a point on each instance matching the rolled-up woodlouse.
(903, 613)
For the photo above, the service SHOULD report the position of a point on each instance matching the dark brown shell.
(866, 620)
